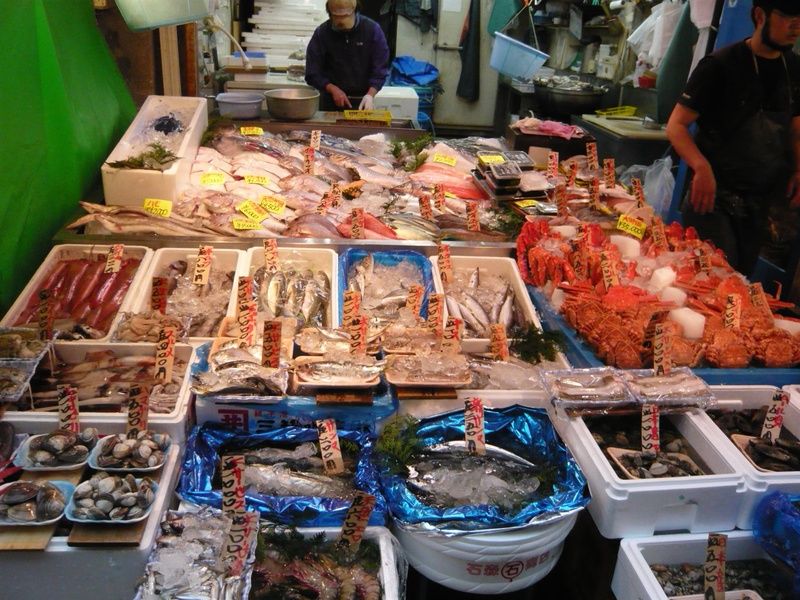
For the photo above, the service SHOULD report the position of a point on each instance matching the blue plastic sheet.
(524, 431)
(407, 70)
(390, 258)
(203, 451)
(776, 527)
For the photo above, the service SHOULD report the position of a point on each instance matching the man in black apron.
(745, 156)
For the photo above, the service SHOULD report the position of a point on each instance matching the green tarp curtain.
(63, 106)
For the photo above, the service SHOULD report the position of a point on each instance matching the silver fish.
(276, 294)
(474, 278)
(506, 316)
(279, 480)
(338, 371)
(477, 310)
(497, 305)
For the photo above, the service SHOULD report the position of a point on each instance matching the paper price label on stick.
(591, 155)
(414, 299)
(240, 538)
(336, 195)
(68, 416)
(703, 260)
(114, 258)
(233, 484)
(561, 201)
(451, 338)
(773, 420)
(425, 210)
(758, 298)
(473, 223)
(358, 335)
(473, 426)
(609, 271)
(271, 255)
(552, 165)
(351, 305)
(251, 130)
(308, 161)
(213, 178)
(436, 313)
(157, 208)
(159, 291)
(245, 225)
(714, 567)
(632, 225)
(733, 312)
(138, 410)
(662, 359)
(329, 447)
(202, 266)
(638, 191)
(357, 224)
(316, 136)
(248, 321)
(659, 234)
(356, 520)
(244, 293)
(165, 354)
(573, 174)
(44, 315)
(498, 342)
(438, 196)
(445, 264)
(272, 205)
(271, 345)
(594, 193)
(609, 173)
(324, 204)
(651, 433)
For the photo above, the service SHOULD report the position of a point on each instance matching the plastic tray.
(66, 488)
(22, 459)
(70, 513)
(95, 454)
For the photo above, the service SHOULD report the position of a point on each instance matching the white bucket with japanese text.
(487, 562)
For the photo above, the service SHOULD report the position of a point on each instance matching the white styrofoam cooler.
(401, 101)
(75, 573)
(316, 259)
(129, 187)
(641, 507)
(633, 579)
(77, 251)
(759, 483)
(175, 423)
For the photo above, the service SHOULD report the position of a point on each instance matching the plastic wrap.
(206, 444)
(589, 391)
(205, 379)
(776, 527)
(19, 343)
(680, 388)
(528, 433)
(15, 378)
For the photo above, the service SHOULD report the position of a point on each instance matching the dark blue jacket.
(354, 60)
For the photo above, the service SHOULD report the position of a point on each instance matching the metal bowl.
(569, 102)
(292, 104)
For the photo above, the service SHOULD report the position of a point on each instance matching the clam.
(58, 441)
(19, 492)
(44, 458)
(88, 437)
(76, 454)
(85, 502)
(61, 447)
(121, 452)
(107, 485)
(25, 512)
(50, 503)
(83, 490)
(118, 513)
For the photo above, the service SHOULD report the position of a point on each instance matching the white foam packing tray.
(76, 251)
(95, 571)
(175, 423)
(641, 507)
(633, 579)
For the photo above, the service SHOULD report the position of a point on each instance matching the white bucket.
(491, 562)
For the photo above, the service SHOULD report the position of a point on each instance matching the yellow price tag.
(159, 208)
(383, 116)
(252, 211)
(450, 195)
(251, 131)
(257, 179)
(444, 159)
(272, 204)
(245, 224)
(212, 178)
(636, 227)
(527, 203)
(491, 159)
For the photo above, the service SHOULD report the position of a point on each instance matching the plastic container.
(487, 562)
(759, 483)
(641, 507)
(130, 187)
(633, 578)
(148, 14)
(75, 251)
(515, 59)
(401, 101)
(175, 423)
(240, 105)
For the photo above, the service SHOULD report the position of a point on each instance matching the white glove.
(367, 103)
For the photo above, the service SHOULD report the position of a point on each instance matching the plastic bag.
(657, 181)
(664, 30)
(407, 70)
(642, 37)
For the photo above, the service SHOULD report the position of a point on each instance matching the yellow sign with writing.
(257, 179)
(245, 224)
(384, 116)
(274, 205)
(527, 203)
(491, 159)
(252, 211)
(212, 178)
(444, 159)
(636, 227)
(251, 130)
(159, 208)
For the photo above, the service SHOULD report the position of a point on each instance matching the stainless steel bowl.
(569, 102)
(292, 104)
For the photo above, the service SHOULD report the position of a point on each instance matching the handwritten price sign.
(609, 173)
(329, 447)
(733, 312)
(651, 434)
(233, 484)
(451, 338)
(271, 255)
(425, 210)
(436, 313)
(714, 567)
(271, 345)
(358, 335)
(202, 267)
(498, 343)
(138, 410)
(438, 196)
(445, 264)
(158, 295)
(552, 165)
(44, 314)
(114, 258)
(355, 522)
(165, 354)
(351, 307)
(414, 300)
(68, 415)
(591, 155)
(473, 426)
(773, 420)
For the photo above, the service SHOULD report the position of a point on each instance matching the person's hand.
(340, 99)
(704, 188)
(793, 190)
(367, 102)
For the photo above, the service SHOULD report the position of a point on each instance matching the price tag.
(244, 293)
(473, 224)
(662, 356)
(498, 342)
(68, 416)
(165, 354)
(257, 179)
(271, 255)
(444, 159)
(703, 260)
(358, 335)
(632, 225)
(213, 178)
(714, 567)
(308, 160)
(609, 173)
(573, 174)
(316, 136)
(245, 225)
(473, 426)
(324, 204)
(252, 211)
(436, 313)
(158, 208)
(251, 130)
(271, 345)
(414, 300)
(659, 234)
(233, 484)
(44, 315)
(591, 156)
(425, 210)
(610, 277)
(351, 306)
(491, 159)
(552, 165)
(651, 435)
(357, 224)
(451, 338)
(238, 543)
(336, 194)
(594, 193)
(202, 267)
(561, 201)
(527, 203)
(773, 421)
(384, 116)
(158, 295)
(445, 264)
(114, 258)
(638, 191)
(329, 447)
(438, 196)
(138, 410)
(733, 312)
(355, 521)
(759, 299)
(248, 321)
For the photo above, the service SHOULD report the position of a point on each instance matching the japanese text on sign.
(651, 434)
(632, 225)
(573, 174)
(257, 179)
(561, 201)
(498, 343)
(202, 267)
(248, 321)
(552, 165)
(138, 410)
(444, 159)
(158, 208)
(451, 338)
(473, 426)
(473, 223)
(114, 258)
(245, 225)
(273, 205)
(609, 270)
(714, 567)
(425, 210)
(165, 354)
(659, 235)
(329, 447)
(45, 316)
(609, 173)
(662, 359)
(212, 178)
(233, 484)
(733, 312)
(336, 194)
(252, 211)
(68, 416)
(351, 306)
(316, 136)
(357, 329)
(357, 224)
(308, 161)
(271, 345)
(158, 294)
(240, 538)
(414, 299)
(591, 155)
(271, 255)
(251, 130)
(773, 420)
(438, 196)
(436, 313)
(244, 293)
(445, 264)
(594, 193)
(638, 191)
(356, 519)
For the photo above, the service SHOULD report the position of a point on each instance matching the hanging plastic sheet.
(206, 445)
(407, 70)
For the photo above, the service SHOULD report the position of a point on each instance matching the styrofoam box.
(640, 507)
(93, 571)
(175, 423)
(75, 251)
(633, 579)
(129, 187)
(759, 483)
(230, 260)
(316, 259)
(401, 101)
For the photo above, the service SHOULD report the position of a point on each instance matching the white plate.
(21, 459)
(95, 454)
(70, 513)
(65, 487)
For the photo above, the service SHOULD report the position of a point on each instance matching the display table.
(627, 140)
